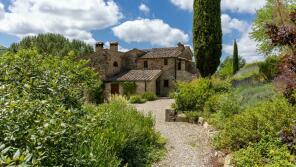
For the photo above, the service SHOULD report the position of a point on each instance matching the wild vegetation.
(256, 120)
(50, 117)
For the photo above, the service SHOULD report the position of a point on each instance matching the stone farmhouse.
(152, 70)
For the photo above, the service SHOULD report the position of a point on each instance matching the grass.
(252, 95)
(248, 71)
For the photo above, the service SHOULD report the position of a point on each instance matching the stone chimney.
(181, 47)
(114, 46)
(99, 46)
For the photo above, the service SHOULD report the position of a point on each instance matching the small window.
(145, 64)
(180, 66)
(165, 62)
(166, 83)
(115, 64)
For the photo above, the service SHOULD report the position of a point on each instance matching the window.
(115, 64)
(165, 62)
(180, 65)
(166, 83)
(145, 64)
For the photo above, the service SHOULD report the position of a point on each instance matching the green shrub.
(192, 116)
(268, 152)
(149, 96)
(137, 99)
(129, 136)
(192, 96)
(43, 115)
(251, 125)
(270, 67)
(129, 88)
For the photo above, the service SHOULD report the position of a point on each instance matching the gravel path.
(187, 144)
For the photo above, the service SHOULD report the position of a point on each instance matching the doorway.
(114, 88)
(158, 87)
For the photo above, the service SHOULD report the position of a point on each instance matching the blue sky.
(133, 23)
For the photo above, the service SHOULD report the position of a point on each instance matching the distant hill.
(2, 49)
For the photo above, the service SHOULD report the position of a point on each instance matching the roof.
(161, 53)
(137, 75)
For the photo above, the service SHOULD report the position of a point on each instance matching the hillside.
(2, 49)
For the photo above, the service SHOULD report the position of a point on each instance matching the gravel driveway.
(187, 144)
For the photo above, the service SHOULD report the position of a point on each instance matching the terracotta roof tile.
(136, 75)
(161, 53)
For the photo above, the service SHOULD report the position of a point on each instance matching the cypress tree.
(207, 35)
(235, 58)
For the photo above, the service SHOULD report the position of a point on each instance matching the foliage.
(207, 35)
(52, 44)
(226, 68)
(248, 71)
(269, 68)
(45, 120)
(266, 118)
(149, 96)
(235, 58)
(29, 74)
(192, 96)
(137, 99)
(288, 137)
(268, 152)
(265, 16)
(129, 88)
(2, 50)
(192, 116)
(10, 156)
(124, 135)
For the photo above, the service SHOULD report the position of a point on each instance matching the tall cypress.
(207, 35)
(235, 58)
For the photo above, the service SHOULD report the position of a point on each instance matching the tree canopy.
(52, 44)
(207, 35)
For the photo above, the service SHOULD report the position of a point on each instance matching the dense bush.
(268, 152)
(137, 99)
(149, 96)
(129, 88)
(29, 74)
(44, 116)
(257, 121)
(192, 96)
(270, 67)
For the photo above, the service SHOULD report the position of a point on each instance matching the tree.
(207, 35)
(52, 44)
(235, 58)
(265, 16)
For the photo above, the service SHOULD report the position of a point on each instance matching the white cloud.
(247, 48)
(229, 24)
(72, 18)
(183, 4)
(156, 32)
(241, 6)
(144, 8)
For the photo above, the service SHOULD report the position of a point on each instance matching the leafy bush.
(192, 116)
(268, 152)
(149, 96)
(137, 99)
(192, 96)
(44, 116)
(124, 134)
(270, 67)
(63, 80)
(129, 88)
(251, 125)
